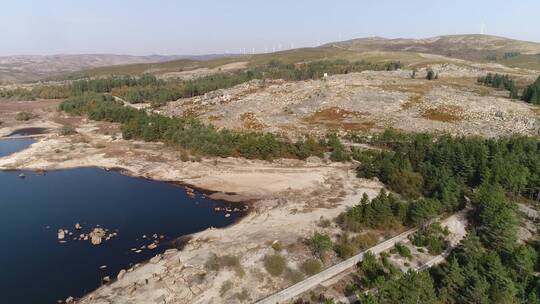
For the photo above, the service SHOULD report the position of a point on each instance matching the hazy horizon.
(62, 27)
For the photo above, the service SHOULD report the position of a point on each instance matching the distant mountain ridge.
(471, 47)
(24, 68)
(474, 47)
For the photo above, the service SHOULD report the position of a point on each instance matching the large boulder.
(61, 234)
(97, 235)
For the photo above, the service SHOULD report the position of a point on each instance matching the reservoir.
(37, 267)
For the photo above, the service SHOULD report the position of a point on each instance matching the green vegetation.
(67, 130)
(192, 135)
(500, 82)
(531, 93)
(320, 244)
(450, 168)
(373, 272)
(160, 93)
(147, 88)
(430, 75)
(24, 116)
(275, 264)
(490, 265)
(383, 211)
(403, 250)
(432, 237)
(311, 266)
(347, 246)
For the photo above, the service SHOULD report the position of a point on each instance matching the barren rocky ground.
(371, 100)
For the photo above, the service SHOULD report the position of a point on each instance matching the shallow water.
(9, 146)
(36, 268)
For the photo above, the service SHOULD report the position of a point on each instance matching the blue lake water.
(36, 268)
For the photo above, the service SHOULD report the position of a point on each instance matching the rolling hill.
(25, 68)
(502, 50)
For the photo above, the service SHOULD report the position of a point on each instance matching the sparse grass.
(243, 296)
(311, 266)
(215, 263)
(293, 276)
(444, 114)
(364, 241)
(225, 287)
(275, 264)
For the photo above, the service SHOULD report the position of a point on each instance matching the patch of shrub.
(345, 248)
(243, 295)
(294, 276)
(320, 243)
(277, 246)
(403, 251)
(215, 263)
(225, 287)
(311, 266)
(365, 240)
(275, 264)
(431, 237)
(67, 130)
(24, 116)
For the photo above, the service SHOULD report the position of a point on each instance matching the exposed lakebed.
(37, 268)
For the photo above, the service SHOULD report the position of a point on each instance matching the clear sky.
(212, 26)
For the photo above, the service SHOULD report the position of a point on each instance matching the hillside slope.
(471, 47)
(25, 68)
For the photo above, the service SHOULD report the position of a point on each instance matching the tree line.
(431, 175)
(499, 81)
(148, 88)
(173, 90)
(489, 265)
(531, 93)
(195, 137)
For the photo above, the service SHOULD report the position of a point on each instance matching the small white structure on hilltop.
(325, 75)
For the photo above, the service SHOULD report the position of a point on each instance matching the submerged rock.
(78, 226)
(61, 234)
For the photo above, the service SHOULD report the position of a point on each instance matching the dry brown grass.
(333, 114)
(215, 117)
(444, 113)
(190, 113)
(413, 100)
(337, 118)
(250, 121)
